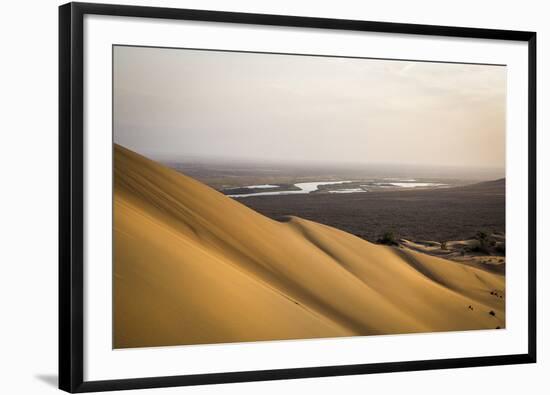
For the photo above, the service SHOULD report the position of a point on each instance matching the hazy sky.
(178, 104)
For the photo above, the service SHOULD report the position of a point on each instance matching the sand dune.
(193, 266)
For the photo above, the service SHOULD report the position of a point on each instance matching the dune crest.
(192, 266)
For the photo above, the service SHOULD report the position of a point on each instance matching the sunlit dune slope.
(193, 266)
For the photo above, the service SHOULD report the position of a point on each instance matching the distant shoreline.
(444, 214)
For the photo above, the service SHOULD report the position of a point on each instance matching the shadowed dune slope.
(193, 266)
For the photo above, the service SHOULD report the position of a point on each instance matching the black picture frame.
(71, 204)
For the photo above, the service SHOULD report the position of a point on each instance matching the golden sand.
(192, 266)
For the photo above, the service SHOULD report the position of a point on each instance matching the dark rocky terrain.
(438, 214)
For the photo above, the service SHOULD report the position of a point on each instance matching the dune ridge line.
(193, 266)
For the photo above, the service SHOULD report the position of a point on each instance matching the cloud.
(283, 107)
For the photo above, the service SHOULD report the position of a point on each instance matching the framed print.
(253, 197)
